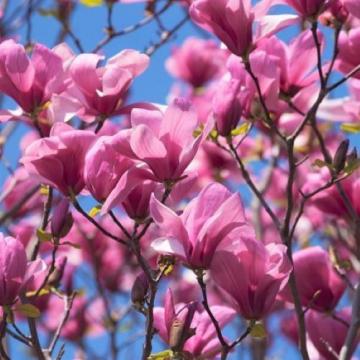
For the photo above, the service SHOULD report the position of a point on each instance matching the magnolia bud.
(227, 108)
(62, 219)
(352, 156)
(180, 330)
(139, 289)
(340, 156)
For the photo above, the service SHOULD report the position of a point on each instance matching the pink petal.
(19, 68)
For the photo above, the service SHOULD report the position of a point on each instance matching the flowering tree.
(193, 226)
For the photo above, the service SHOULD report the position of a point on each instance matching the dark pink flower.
(197, 61)
(59, 159)
(252, 275)
(323, 291)
(212, 221)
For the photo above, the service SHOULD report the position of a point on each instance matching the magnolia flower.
(163, 143)
(349, 49)
(31, 82)
(212, 221)
(252, 276)
(101, 91)
(308, 8)
(15, 271)
(59, 159)
(202, 340)
(232, 21)
(327, 332)
(321, 292)
(197, 61)
(104, 166)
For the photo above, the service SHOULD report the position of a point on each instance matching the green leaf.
(43, 235)
(44, 190)
(163, 355)
(352, 166)
(28, 310)
(91, 3)
(258, 331)
(42, 292)
(242, 129)
(95, 210)
(352, 128)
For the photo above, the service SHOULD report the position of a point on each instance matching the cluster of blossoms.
(163, 185)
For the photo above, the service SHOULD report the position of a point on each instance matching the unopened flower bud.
(352, 156)
(340, 156)
(62, 219)
(139, 289)
(227, 107)
(180, 330)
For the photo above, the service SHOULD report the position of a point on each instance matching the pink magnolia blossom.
(232, 22)
(59, 159)
(30, 82)
(252, 276)
(326, 331)
(113, 268)
(266, 68)
(101, 91)
(104, 166)
(337, 12)
(349, 49)
(204, 343)
(18, 184)
(344, 108)
(165, 318)
(228, 104)
(61, 221)
(197, 61)
(323, 291)
(136, 203)
(296, 60)
(164, 142)
(85, 318)
(212, 221)
(353, 6)
(330, 201)
(308, 8)
(16, 272)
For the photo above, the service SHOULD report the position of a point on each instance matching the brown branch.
(223, 342)
(114, 34)
(68, 302)
(166, 36)
(251, 184)
(78, 207)
(16, 207)
(353, 333)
